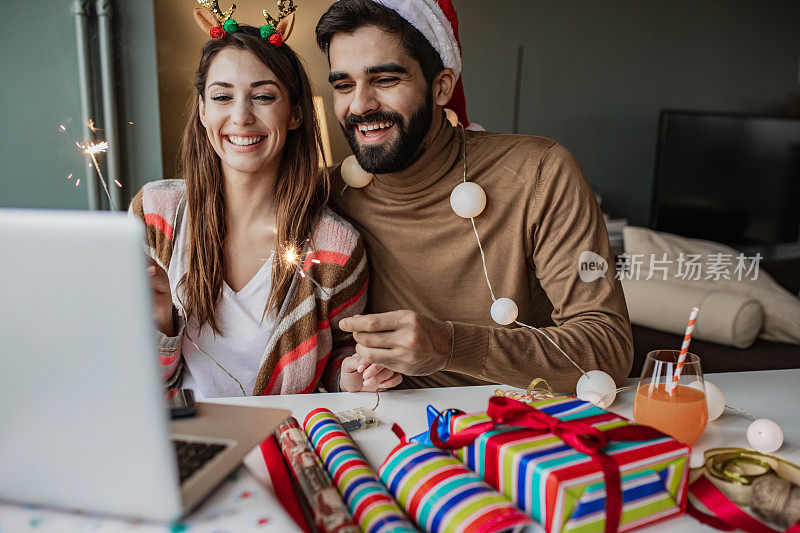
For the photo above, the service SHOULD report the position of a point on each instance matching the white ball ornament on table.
(504, 311)
(596, 385)
(714, 398)
(353, 175)
(764, 435)
(592, 397)
(468, 199)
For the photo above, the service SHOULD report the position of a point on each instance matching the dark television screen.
(728, 178)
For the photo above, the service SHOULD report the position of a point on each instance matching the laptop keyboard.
(193, 455)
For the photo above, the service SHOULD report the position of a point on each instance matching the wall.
(596, 73)
(38, 96)
(41, 93)
(138, 94)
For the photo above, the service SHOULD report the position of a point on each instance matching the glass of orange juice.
(679, 411)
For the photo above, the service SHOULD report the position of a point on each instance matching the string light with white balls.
(468, 200)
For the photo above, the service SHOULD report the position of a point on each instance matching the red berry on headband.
(217, 32)
(275, 39)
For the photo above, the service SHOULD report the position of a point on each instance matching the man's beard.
(400, 153)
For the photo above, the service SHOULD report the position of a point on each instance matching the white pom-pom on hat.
(430, 20)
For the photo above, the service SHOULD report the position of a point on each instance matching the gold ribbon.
(538, 389)
(733, 470)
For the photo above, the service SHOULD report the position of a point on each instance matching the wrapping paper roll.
(372, 506)
(444, 496)
(330, 513)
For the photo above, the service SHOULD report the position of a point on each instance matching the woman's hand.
(357, 376)
(162, 299)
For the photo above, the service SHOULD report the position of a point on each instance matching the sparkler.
(91, 150)
(292, 256)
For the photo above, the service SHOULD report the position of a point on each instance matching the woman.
(251, 272)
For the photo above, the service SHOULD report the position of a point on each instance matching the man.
(394, 66)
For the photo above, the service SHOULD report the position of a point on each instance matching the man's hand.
(358, 376)
(404, 341)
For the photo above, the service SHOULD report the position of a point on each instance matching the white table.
(773, 394)
(243, 503)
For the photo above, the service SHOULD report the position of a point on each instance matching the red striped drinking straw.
(687, 338)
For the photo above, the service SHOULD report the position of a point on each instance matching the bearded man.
(394, 67)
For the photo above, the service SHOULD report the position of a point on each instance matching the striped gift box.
(563, 489)
(443, 496)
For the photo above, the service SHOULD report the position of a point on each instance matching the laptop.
(83, 416)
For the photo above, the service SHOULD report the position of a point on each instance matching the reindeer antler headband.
(218, 23)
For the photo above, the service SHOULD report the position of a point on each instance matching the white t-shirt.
(241, 347)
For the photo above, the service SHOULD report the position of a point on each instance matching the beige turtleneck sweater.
(540, 215)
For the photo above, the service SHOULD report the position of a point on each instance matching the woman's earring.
(353, 175)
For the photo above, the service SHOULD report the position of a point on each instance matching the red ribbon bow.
(579, 435)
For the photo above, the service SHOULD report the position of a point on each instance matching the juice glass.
(680, 412)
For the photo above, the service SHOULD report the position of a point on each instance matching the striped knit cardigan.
(306, 347)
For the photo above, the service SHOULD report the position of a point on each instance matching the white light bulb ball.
(353, 175)
(764, 436)
(504, 311)
(598, 382)
(593, 397)
(452, 117)
(468, 199)
(714, 398)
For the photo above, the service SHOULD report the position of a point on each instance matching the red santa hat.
(437, 21)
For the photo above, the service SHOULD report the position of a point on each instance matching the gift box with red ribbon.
(571, 465)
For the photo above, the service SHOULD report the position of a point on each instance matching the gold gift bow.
(538, 389)
(733, 470)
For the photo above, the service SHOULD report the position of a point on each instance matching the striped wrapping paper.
(564, 489)
(329, 511)
(371, 505)
(443, 496)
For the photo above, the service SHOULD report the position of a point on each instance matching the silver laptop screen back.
(82, 416)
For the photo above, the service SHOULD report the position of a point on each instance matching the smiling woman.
(235, 315)
(246, 116)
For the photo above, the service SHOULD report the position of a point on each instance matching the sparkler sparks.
(91, 150)
(292, 256)
(62, 127)
(95, 148)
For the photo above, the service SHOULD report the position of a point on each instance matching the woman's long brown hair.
(301, 190)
